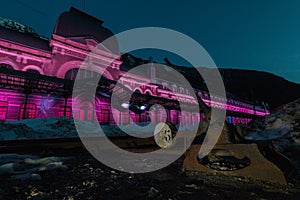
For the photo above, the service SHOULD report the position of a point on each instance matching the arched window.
(125, 118)
(27, 112)
(136, 117)
(104, 116)
(6, 66)
(86, 111)
(62, 110)
(72, 73)
(33, 71)
(136, 91)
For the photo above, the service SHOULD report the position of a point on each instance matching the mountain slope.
(250, 85)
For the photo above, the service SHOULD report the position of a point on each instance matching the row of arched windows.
(29, 111)
(26, 111)
(83, 73)
(8, 66)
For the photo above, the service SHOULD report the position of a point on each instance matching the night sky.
(244, 34)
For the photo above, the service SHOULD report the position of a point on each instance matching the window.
(33, 71)
(86, 114)
(84, 74)
(86, 111)
(27, 112)
(71, 74)
(104, 116)
(125, 118)
(144, 117)
(62, 110)
(137, 91)
(3, 110)
(6, 66)
(135, 117)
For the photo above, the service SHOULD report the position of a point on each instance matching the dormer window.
(91, 44)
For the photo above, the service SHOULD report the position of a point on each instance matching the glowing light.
(125, 105)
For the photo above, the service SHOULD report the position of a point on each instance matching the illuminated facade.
(21, 49)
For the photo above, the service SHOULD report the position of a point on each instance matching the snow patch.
(63, 127)
(27, 167)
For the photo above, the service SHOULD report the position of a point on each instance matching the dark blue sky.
(244, 34)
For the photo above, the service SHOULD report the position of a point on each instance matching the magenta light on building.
(34, 71)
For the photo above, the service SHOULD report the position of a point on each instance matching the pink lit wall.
(65, 54)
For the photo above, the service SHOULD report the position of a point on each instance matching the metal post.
(65, 106)
(25, 106)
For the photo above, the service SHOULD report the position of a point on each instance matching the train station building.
(36, 76)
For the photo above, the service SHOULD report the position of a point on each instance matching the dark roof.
(74, 24)
(25, 39)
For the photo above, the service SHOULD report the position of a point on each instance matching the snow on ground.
(38, 128)
(28, 167)
(54, 127)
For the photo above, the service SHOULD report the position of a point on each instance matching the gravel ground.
(86, 178)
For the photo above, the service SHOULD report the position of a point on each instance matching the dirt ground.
(87, 178)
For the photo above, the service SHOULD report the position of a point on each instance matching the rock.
(36, 177)
(53, 166)
(282, 128)
(270, 119)
(152, 192)
(192, 186)
(27, 176)
(240, 131)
